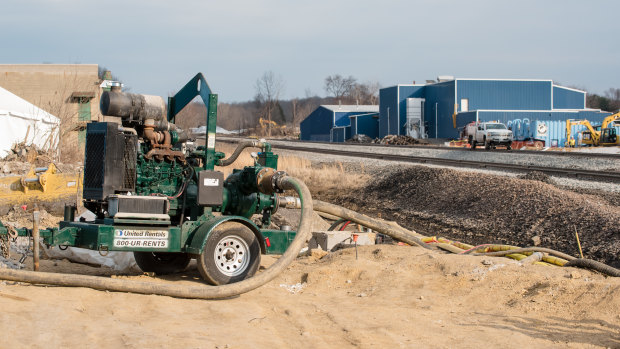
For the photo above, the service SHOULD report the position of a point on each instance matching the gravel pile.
(479, 208)
(537, 176)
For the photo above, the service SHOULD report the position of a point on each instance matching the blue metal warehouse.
(534, 109)
(336, 123)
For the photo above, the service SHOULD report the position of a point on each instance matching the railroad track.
(606, 176)
(438, 147)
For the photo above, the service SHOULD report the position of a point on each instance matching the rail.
(608, 176)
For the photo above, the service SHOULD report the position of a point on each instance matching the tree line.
(281, 116)
(609, 101)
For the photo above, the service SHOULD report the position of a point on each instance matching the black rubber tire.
(162, 263)
(473, 143)
(207, 263)
(487, 145)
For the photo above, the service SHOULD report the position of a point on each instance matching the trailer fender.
(198, 238)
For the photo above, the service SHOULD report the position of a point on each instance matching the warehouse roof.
(352, 108)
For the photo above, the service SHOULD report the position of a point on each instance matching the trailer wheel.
(472, 143)
(162, 263)
(231, 254)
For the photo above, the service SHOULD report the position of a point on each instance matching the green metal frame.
(240, 201)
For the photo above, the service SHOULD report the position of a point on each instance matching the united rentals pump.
(156, 193)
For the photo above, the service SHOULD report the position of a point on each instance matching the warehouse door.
(464, 104)
(414, 127)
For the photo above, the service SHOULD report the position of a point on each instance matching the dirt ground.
(391, 296)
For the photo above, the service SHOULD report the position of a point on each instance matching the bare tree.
(339, 86)
(613, 94)
(268, 90)
(366, 93)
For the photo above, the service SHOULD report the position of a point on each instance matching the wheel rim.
(231, 255)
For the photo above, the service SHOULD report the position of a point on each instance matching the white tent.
(21, 120)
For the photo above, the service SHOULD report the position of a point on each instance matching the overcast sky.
(156, 46)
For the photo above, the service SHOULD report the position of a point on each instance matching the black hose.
(237, 152)
(594, 265)
(336, 224)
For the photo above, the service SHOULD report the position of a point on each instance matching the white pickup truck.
(491, 134)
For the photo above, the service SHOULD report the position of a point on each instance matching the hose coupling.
(289, 202)
(269, 181)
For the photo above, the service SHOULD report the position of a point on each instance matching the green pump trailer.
(158, 194)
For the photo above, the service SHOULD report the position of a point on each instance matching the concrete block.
(334, 240)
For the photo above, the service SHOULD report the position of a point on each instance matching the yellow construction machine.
(604, 135)
(43, 185)
(570, 140)
(267, 125)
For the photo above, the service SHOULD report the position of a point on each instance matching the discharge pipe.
(246, 144)
(184, 291)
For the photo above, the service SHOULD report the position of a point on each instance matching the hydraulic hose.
(239, 150)
(594, 265)
(526, 249)
(394, 231)
(336, 224)
(184, 291)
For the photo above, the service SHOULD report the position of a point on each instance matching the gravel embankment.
(491, 209)
(484, 206)
(514, 157)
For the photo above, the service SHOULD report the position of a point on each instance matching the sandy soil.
(392, 296)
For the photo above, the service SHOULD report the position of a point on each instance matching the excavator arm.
(608, 120)
(595, 134)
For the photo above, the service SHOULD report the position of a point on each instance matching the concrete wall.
(50, 87)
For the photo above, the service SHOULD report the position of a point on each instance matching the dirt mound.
(478, 208)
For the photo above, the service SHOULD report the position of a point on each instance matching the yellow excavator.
(605, 134)
(270, 125)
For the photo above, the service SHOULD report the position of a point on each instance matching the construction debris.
(399, 140)
(360, 138)
(27, 153)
